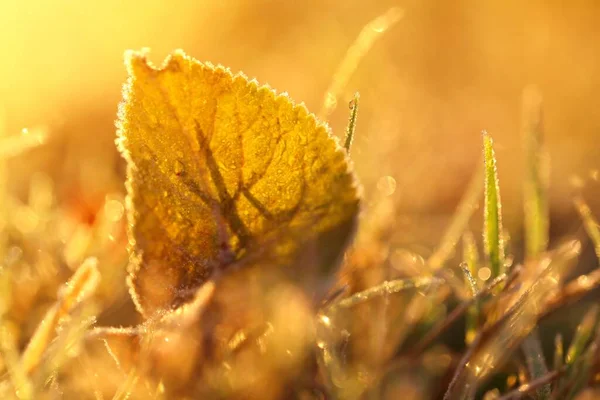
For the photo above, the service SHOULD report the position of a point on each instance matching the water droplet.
(113, 209)
(386, 185)
(352, 104)
(178, 168)
(407, 261)
(13, 255)
(576, 182)
(330, 101)
(484, 273)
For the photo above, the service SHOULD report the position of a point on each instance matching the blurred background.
(429, 85)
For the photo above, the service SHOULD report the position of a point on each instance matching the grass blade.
(582, 336)
(468, 204)
(363, 43)
(22, 386)
(590, 223)
(79, 288)
(492, 223)
(471, 260)
(351, 122)
(385, 288)
(536, 176)
(536, 363)
(536, 217)
(559, 355)
(578, 356)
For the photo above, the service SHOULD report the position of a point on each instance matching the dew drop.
(406, 261)
(576, 182)
(13, 255)
(484, 273)
(330, 101)
(113, 209)
(386, 185)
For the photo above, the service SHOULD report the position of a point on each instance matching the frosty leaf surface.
(223, 172)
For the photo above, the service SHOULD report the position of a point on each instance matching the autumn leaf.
(224, 173)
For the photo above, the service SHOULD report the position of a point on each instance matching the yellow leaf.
(222, 173)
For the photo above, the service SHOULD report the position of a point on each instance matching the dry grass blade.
(589, 222)
(81, 285)
(436, 331)
(22, 387)
(536, 363)
(497, 341)
(584, 283)
(471, 261)
(464, 211)
(574, 290)
(14, 145)
(363, 43)
(525, 389)
(470, 369)
(581, 356)
(492, 229)
(385, 288)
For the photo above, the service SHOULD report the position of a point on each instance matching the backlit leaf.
(224, 172)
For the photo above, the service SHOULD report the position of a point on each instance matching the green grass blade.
(492, 223)
(559, 356)
(582, 336)
(536, 176)
(351, 122)
(587, 361)
(535, 192)
(578, 354)
(589, 222)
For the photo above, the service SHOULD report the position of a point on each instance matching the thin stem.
(351, 122)
(524, 389)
